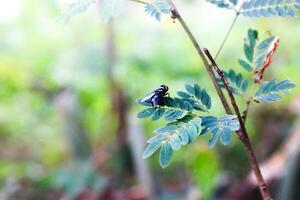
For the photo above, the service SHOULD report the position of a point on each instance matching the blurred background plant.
(67, 105)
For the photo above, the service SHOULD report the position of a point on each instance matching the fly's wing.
(146, 101)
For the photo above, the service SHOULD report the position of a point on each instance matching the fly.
(156, 97)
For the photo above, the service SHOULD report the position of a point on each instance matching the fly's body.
(155, 98)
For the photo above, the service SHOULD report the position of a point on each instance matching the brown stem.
(176, 15)
(245, 112)
(242, 133)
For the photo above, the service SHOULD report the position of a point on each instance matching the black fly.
(155, 98)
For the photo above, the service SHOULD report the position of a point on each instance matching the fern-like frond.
(171, 137)
(157, 8)
(271, 91)
(237, 83)
(194, 98)
(198, 97)
(221, 128)
(267, 8)
(75, 8)
(229, 4)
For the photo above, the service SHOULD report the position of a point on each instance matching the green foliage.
(198, 97)
(221, 128)
(172, 136)
(157, 8)
(110, 9)
(76, 8)
(184, 125)
(249, 47)
(258, 55)
(245, 65)
(169, 113)
(194, 98)
(262, 51)
(270, 91)
(267, 8)
(224, 4)
(236, 81)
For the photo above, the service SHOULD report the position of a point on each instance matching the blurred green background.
(68, 123)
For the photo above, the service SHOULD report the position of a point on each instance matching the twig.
(176, 15)
(245, 112)
(242, 133)
(227, 34)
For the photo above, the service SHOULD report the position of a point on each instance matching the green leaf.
(184, 94)
(165, 155)
(146, 113)
(190, 89)
(238, 85)
(213, 140)
(255, 8)
(157, 8)
(221, 128)
(198, 123)
(193, 133)
(151, 148)
(245, 65)
(184, 136)
(173, 115)
(175, 142)
(262, 50)
(158, 114)
(226, 136)
(165, 129)
(271, 91)
(248, 51)
(75, 8)
(224, 4)
(252, 37)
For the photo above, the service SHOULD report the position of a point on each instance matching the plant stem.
(176, 15)
(242, 133)
(227, 34)
(245, 112)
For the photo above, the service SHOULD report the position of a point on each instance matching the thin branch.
(242, 133)
(245, 112)
(139, 1)
(176, 15)
(227, 34)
